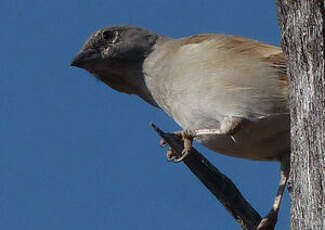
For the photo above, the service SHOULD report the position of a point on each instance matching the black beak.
(85, 57)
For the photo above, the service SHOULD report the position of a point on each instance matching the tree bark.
(302, 34)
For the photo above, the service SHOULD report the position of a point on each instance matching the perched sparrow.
(227, 92)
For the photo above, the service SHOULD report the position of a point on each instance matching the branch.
(218, 184)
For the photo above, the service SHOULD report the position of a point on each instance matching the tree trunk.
(302, 32)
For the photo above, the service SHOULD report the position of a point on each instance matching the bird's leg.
(269, 221)
(228, 126)
(186, 136)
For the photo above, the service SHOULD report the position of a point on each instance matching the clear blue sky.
(74, 154)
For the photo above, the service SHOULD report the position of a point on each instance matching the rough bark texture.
(302, 29)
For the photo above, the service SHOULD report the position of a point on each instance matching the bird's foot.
(269, 221)
(187, 136)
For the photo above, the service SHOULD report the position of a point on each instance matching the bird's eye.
(109, 35)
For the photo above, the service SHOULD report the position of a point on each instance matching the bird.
(228, 93)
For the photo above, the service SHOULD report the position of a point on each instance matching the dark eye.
(108, 35)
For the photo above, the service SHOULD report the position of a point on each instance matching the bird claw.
(162, 143)
(171, 156)
(187, 136)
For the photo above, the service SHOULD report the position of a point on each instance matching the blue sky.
(74, 154)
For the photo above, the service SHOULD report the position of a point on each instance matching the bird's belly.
(265, 139)
(261, 139)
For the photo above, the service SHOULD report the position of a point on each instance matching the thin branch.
(218, 184)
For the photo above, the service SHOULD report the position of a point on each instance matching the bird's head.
(115, 56)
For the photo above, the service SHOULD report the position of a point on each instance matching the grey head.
(115, 55)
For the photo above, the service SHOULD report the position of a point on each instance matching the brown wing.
(268, 53)
(278, 61)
